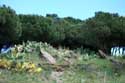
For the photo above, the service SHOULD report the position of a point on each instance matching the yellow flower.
(38, 70)
(31, 66)
(24, 65)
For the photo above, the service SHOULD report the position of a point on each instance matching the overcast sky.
(82, 9)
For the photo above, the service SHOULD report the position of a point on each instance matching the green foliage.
(10, 27)
(81, 67)
(35, 28)
(105, 30)
(102, 31)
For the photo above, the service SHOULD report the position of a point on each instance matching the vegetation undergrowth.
(77, 66)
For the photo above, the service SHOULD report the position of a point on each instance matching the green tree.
(10, 26)
(105, 30)
(35, 28)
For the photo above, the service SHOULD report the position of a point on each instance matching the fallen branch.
(48, 57)
(114, 61)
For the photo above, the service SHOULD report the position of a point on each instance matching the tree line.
(102, 31)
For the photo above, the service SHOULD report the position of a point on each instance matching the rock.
(48, 57)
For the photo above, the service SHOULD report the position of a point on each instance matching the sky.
(81, 9)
